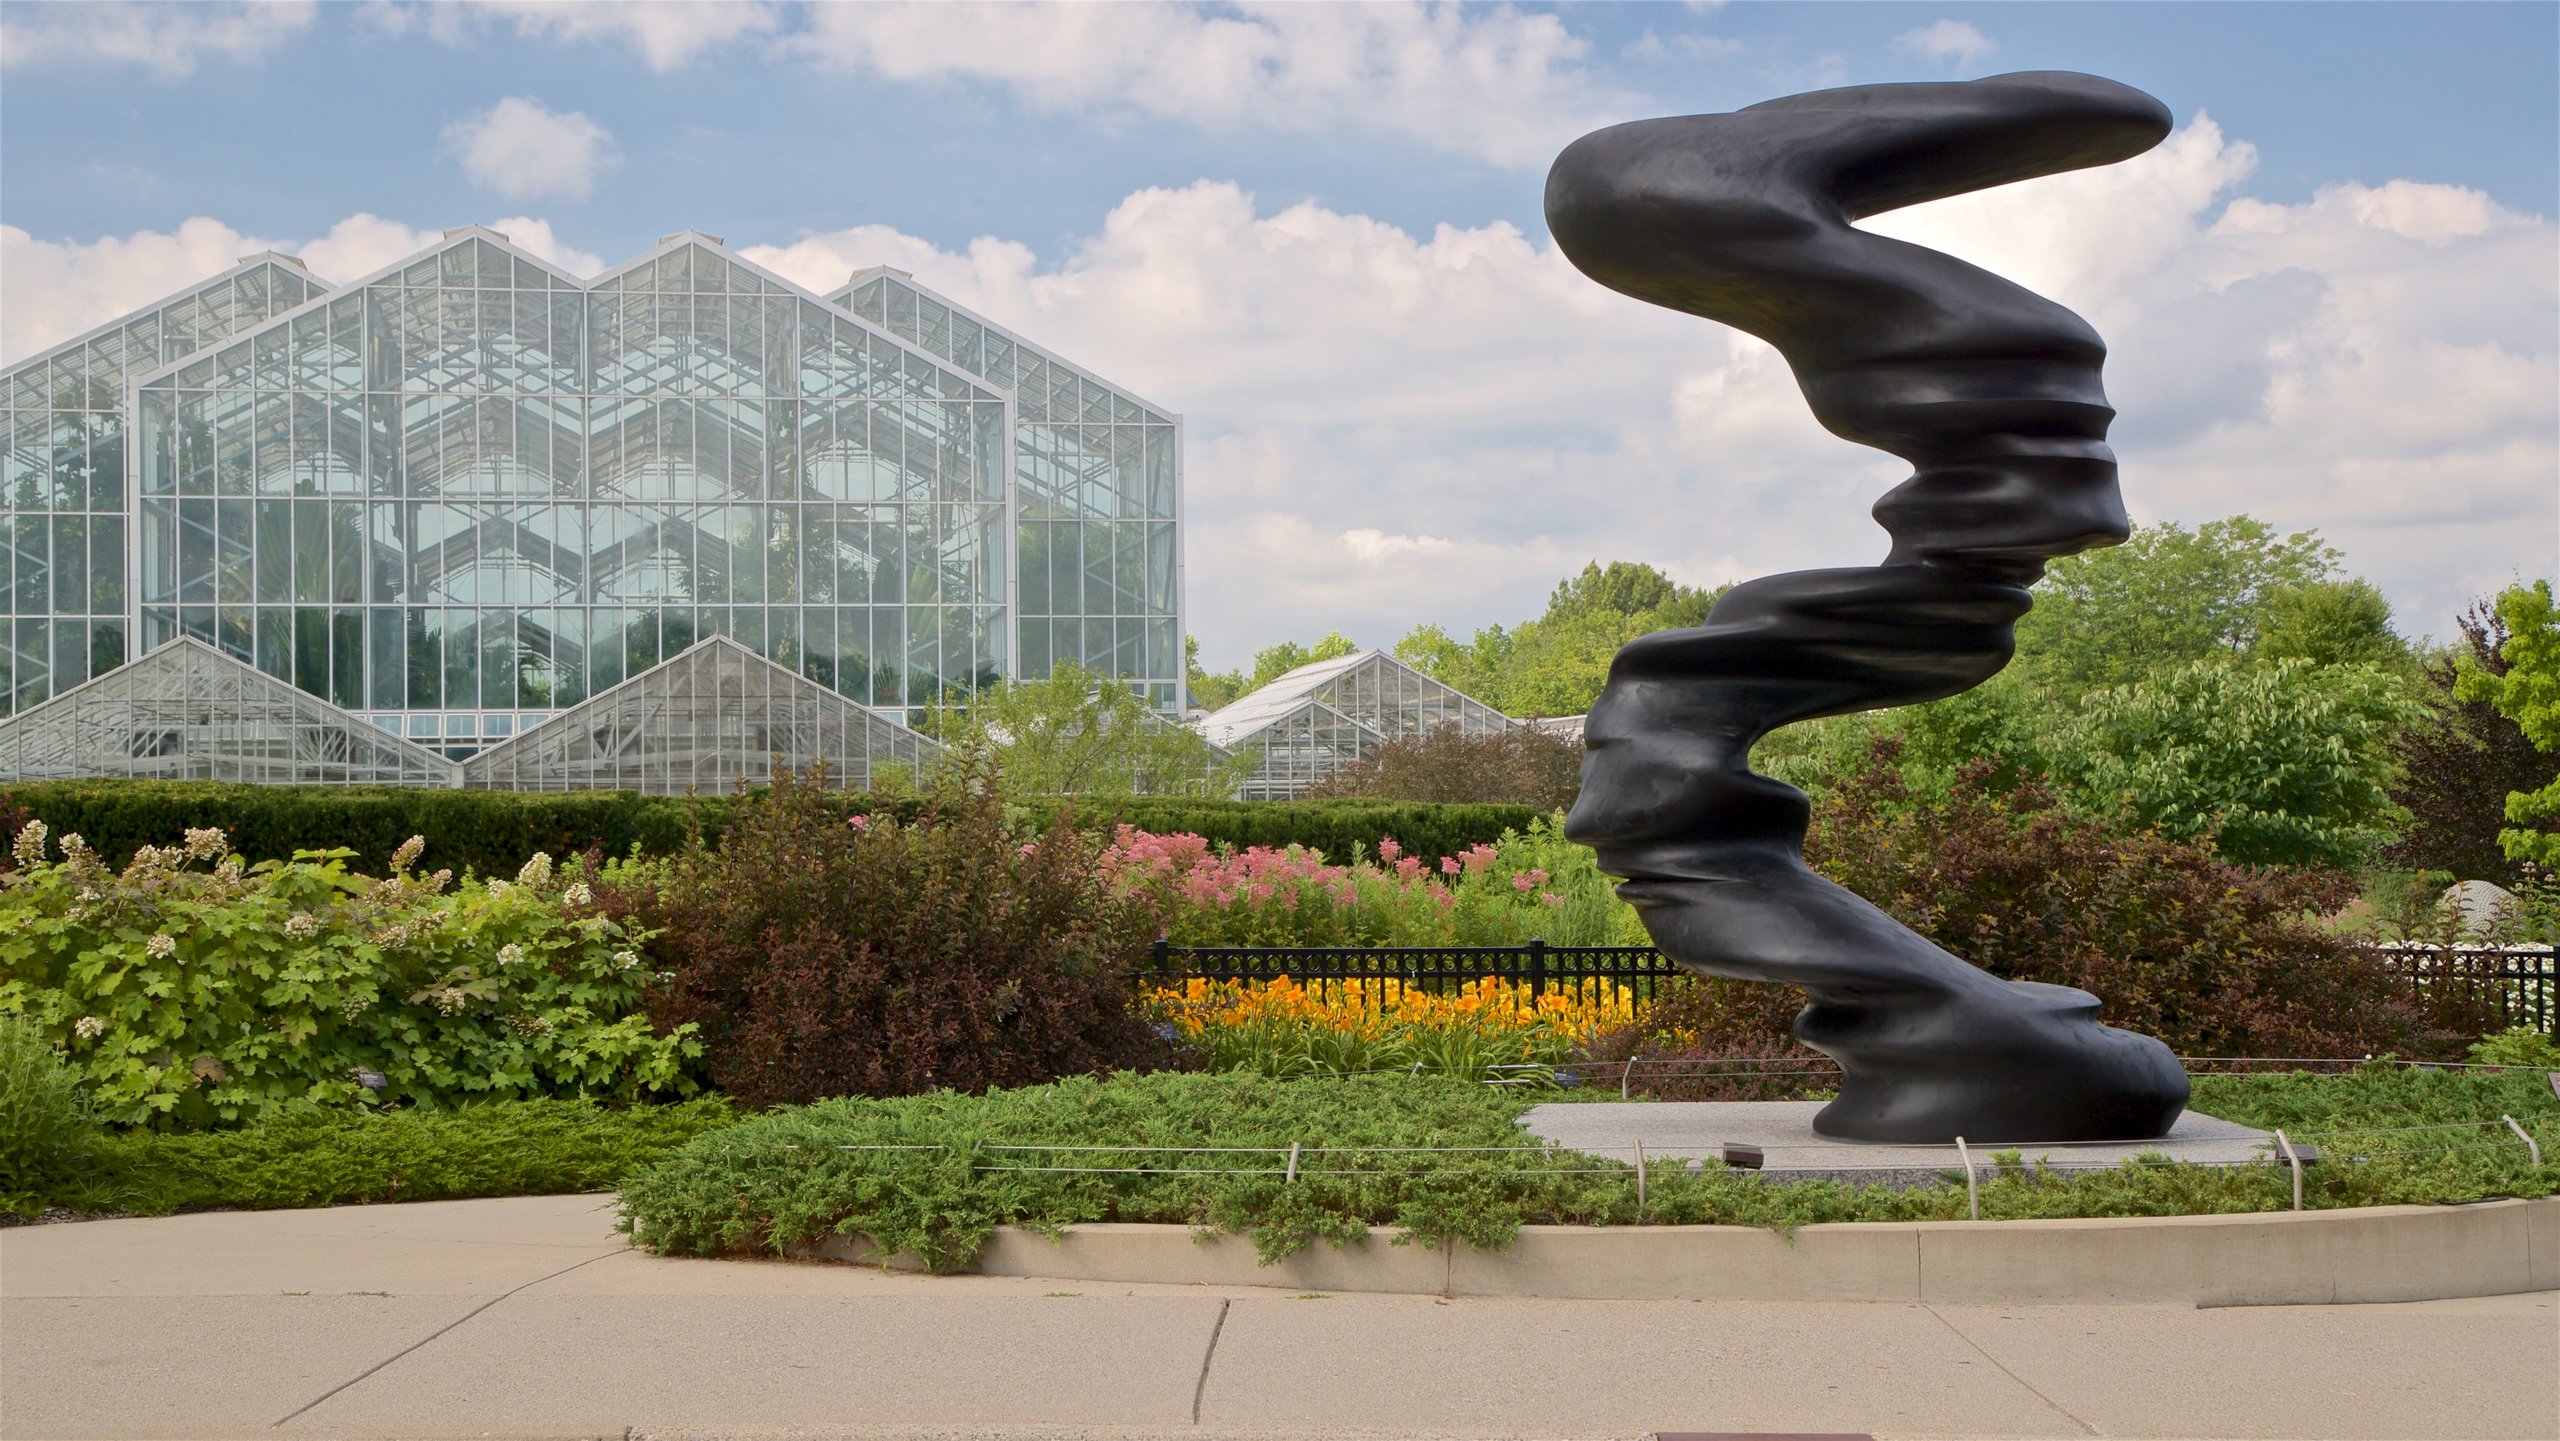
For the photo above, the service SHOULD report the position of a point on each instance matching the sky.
(2332, 297)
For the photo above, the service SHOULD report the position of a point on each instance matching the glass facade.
(64, 515)
(470, 492)
(1327, 714)
(1096, 472)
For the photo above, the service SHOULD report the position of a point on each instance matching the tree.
(2331, 622)
(2527, 693)
(1555, 665)
(2283, 763)
(1517, 766)
(2170, 596)
(2460, 765)
(1076, 733)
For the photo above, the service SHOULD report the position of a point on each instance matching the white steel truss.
(714, 719)
(189, 712)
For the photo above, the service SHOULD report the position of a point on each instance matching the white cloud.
(1505, 85)
(2381, 363)
(1388, 427)
(535, 237)
(53, 290)
(167, 39)
(666, 33)
(524, 151)
(1684, 45)
(1949, 40)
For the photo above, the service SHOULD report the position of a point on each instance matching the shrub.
(824, 955)
(46, 1131)
(194, 989)
(488, 833)
(1705, 1038)
(309, 1156)
(1447, 1159)
(2214, 959)
(2518, 1046)
(491, 833)
(1487, 895)
(1521, 765)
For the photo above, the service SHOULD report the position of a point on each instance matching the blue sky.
(2358, 207)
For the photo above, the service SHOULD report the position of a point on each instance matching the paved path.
(529, 1318)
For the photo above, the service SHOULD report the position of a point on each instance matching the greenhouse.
(466, 495)
(1322, 716)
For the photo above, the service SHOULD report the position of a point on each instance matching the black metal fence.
(1537, 964)
(2520, 984)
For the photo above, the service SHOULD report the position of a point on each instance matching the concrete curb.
(2283, 1258)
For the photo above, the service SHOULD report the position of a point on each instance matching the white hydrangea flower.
(497, 889)
(625, 961)
(537, 871)
(303, 926)
(88, 1027)
(206, 842)
(408, 853)
(510, 954)
(578, 894)
(29, 847)
(161, 946)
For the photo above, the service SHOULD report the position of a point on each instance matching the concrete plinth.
(1783, 1130)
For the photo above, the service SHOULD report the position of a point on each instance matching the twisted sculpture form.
(1991, 392)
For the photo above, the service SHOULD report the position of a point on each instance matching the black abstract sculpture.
(1992, 393)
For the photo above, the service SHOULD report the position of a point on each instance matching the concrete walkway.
(530, 1318)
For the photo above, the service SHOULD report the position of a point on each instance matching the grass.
(337, 1158)
(936, 1174)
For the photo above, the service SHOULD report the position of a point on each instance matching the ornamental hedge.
(495, 832)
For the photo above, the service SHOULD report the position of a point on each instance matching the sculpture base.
(1794, 1151)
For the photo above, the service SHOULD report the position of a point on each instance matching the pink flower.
(1522, 882)
(1446, 900)
(1551, 898)
(1448, 865)
(1030, 848)
(1388, 850)
(860, 823)
(1409, 867)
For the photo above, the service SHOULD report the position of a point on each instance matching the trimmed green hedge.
(492, 832)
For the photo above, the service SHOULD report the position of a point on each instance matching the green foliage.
(777, 1180)
(2330, 622)
(1555, 665)
(1080, 734)
(272, 822)
(47, 1134)
(2460, 765)
(1520, 765)
(2215, 959)
(2528, 693)
(2170, 596)
(192, 989)
(2282, 763)
(308, 1156)
(2518, 1046)
(489, 833)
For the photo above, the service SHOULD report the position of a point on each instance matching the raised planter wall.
(2382, 1253)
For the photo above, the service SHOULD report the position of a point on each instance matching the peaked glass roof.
(714, 719)
(188, 712)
